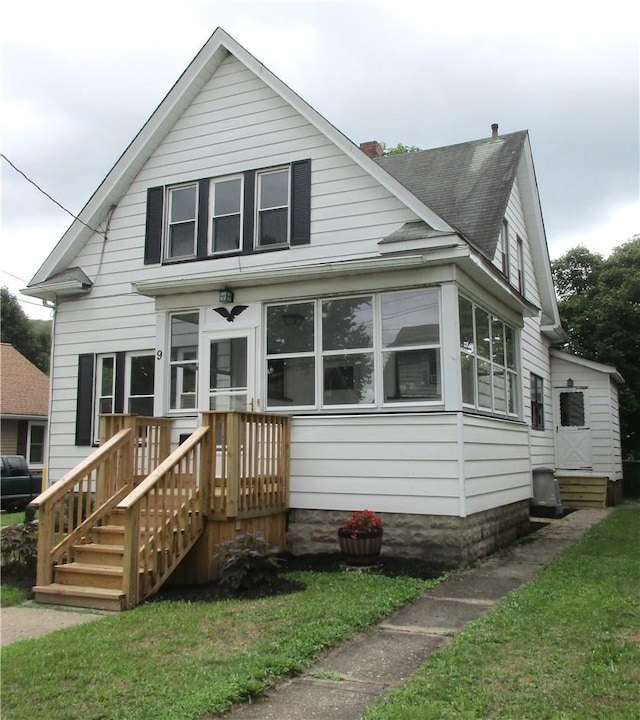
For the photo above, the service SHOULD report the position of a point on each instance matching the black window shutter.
(153, 234)
(84, 404)
(118, 401)
(249, 211)
(23, 431)
(301, 202)
(203, 219)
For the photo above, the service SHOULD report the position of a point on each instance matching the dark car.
(19, 485)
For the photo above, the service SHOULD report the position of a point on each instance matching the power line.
(46, 194)
(15, 277)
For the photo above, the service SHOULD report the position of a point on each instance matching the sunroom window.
(489, 371)
(411, 346)
(291, 355)
(361, 351)
(347, 351)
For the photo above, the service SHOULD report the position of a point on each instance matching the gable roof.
(467, 184)
(96, 212)
(24, 388)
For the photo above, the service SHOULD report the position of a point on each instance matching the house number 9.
(159, 354)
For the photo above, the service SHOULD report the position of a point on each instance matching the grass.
(7, 518)
(10, 595)
(179, 660)
(566, 646)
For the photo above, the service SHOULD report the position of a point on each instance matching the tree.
(599, 303)
(31, 338)
(399, 149)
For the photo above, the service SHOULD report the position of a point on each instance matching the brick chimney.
(373, 149)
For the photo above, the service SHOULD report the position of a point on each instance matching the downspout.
(53, 306)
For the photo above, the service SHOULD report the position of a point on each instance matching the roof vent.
(494, 131)
(373, 149)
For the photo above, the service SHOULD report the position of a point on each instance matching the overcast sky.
(81, 78)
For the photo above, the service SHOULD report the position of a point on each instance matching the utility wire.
(46, 194)
(15, 277)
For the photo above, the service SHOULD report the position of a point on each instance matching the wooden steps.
(95, 598)
(582, 489)
(94, 576)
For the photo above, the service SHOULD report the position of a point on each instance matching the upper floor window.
(226, 221)
(181, 221)
(272, 227)
(506, 258)
(520, 243)
(255, 210)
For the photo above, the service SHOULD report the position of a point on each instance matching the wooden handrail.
(163, 519)
(88, 465)
(148, 483)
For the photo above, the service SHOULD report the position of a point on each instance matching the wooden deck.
(131, 515)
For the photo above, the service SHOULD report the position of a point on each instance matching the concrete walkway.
(349, 678)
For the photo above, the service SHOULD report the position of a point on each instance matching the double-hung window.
(225, 200)
(35, 443)
(182, 221)
(184, 361)
(247, 212)
(537, 402)
(488, 360)
(272, 208)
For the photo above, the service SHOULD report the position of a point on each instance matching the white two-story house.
(244, 254)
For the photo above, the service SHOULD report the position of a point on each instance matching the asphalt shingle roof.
(468, 184)
(24, 389)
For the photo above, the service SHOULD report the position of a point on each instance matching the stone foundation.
(444, 541)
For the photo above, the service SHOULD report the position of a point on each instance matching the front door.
(229, 363)
(573, 434)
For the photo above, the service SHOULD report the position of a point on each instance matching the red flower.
(362, 522)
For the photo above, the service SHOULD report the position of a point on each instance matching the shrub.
(19, 546)
(249, 561)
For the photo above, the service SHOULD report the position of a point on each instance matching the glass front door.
(231, 371)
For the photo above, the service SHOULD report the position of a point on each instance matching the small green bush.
(19, 546)
(249, 561)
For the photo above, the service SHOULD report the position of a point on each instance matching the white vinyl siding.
(497, 469)
(386, 461)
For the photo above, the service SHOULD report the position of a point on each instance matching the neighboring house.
(24, 407)
(401, 309)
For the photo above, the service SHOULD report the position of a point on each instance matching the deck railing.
(248, 463)
(79, 500)
(163, 519)
(152, 439)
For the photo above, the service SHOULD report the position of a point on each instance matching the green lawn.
(178, 660)
(11, 518)
(566, 646)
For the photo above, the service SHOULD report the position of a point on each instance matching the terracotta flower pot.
(360, 548)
